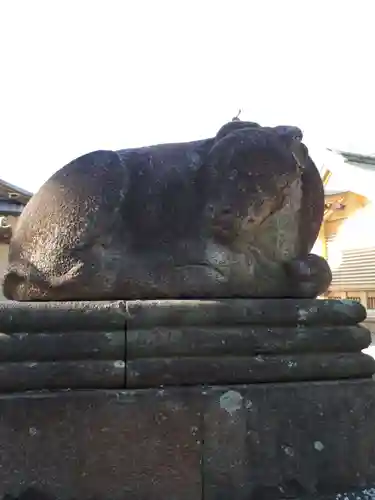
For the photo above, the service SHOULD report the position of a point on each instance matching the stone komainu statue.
(235, 215)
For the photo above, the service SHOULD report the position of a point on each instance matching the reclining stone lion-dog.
(231, 216)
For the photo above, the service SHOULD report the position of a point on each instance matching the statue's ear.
(234, 125)
(312, 206)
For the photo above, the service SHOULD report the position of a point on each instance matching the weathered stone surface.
(268, 494)
(102, 445)
(259, 442)
(71, 346)
(271, 312)
(62, 316)
(288, 440)
(106, 315)
(82, 374)
(233, 215)
(159, 341)
(267, 441)
(180, 342)
(157, 372)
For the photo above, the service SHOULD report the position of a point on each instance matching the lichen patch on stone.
(231, 401)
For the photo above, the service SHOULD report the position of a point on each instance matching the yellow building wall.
(353, 229)
(3, 264)
(4, 249)
(357, 208)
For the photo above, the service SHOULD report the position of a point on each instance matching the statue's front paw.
(309, 277)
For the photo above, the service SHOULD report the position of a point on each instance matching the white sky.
(80, 75)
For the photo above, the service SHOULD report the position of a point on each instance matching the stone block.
(276, 441)
(106, 445)
(186, 400)
(260, 441)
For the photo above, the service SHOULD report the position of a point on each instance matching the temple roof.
(350, 172)
(12, 198)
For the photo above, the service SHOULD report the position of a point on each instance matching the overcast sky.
(80, 75)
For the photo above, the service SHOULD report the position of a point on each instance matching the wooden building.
(347, 237)
(12, 201)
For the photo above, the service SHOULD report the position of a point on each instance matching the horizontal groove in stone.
(243, 340)
(154, 372)
(275, 312)
(86, 374)
(59, 346)
(62, 316)
(107, 315)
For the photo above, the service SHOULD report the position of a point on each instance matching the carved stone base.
(241, 399)
(262, 441)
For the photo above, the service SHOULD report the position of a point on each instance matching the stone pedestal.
(186, 400)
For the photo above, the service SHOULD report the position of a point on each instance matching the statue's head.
(261, 166)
